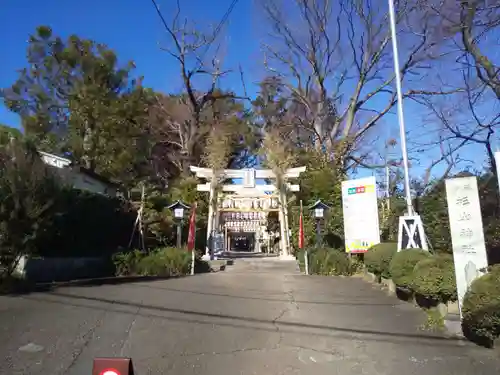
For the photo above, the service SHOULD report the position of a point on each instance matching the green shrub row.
(481, 308)
(165, 262)
(328, 262)
(403, 264)
(433, 277)
(378, 258)
(83, 224)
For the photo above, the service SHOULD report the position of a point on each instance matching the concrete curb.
(452, 322)
(453, 325)
(219, 269)
(218, 265)
(454, 328)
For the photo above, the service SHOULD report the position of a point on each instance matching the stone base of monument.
(453, 325)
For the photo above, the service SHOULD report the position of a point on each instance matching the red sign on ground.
(113, 366)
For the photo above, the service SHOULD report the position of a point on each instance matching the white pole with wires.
(411, 230)
(402, 131)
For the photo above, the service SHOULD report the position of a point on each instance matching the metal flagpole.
(402, 130)
(411, 230)
(301, 237)
(192, 237)
(193, 262)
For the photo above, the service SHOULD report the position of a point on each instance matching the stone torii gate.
(249, 177)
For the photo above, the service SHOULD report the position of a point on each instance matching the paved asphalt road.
(258, 317)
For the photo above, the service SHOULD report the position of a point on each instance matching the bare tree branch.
(336, 65)
(183, 122)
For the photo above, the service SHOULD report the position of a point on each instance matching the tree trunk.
(88, 147)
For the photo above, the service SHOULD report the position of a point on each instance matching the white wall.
(83, 182)
(76, 179)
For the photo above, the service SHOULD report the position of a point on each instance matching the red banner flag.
(192, 229)
(301, 229)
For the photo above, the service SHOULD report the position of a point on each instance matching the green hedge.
(378, 258)
(327, 261)
(402, 265)
(169, 261)
(83, 224)
(165, 262)
(126, 263)
(434, 278)
(481, 308)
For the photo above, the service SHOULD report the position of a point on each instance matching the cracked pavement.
(258, 317)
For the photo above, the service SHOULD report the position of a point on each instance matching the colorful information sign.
(361, 225)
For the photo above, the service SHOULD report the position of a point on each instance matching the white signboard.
(361, 226)
(466, 226)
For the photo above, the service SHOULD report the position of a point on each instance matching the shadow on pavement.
(269, 299)
(13, 286)
(26, 287)
(268, 325)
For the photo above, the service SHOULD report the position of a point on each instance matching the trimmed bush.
(64, 269)
(168, 261)
(378, 258)
(481, 308)
(331, 262)
(356, 264)
(402, 265)
(328, 262)
(126, 262)
(434, 278)
(300, 256)
(84, 224)
(165, 262)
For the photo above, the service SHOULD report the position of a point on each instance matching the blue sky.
(133, 29)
